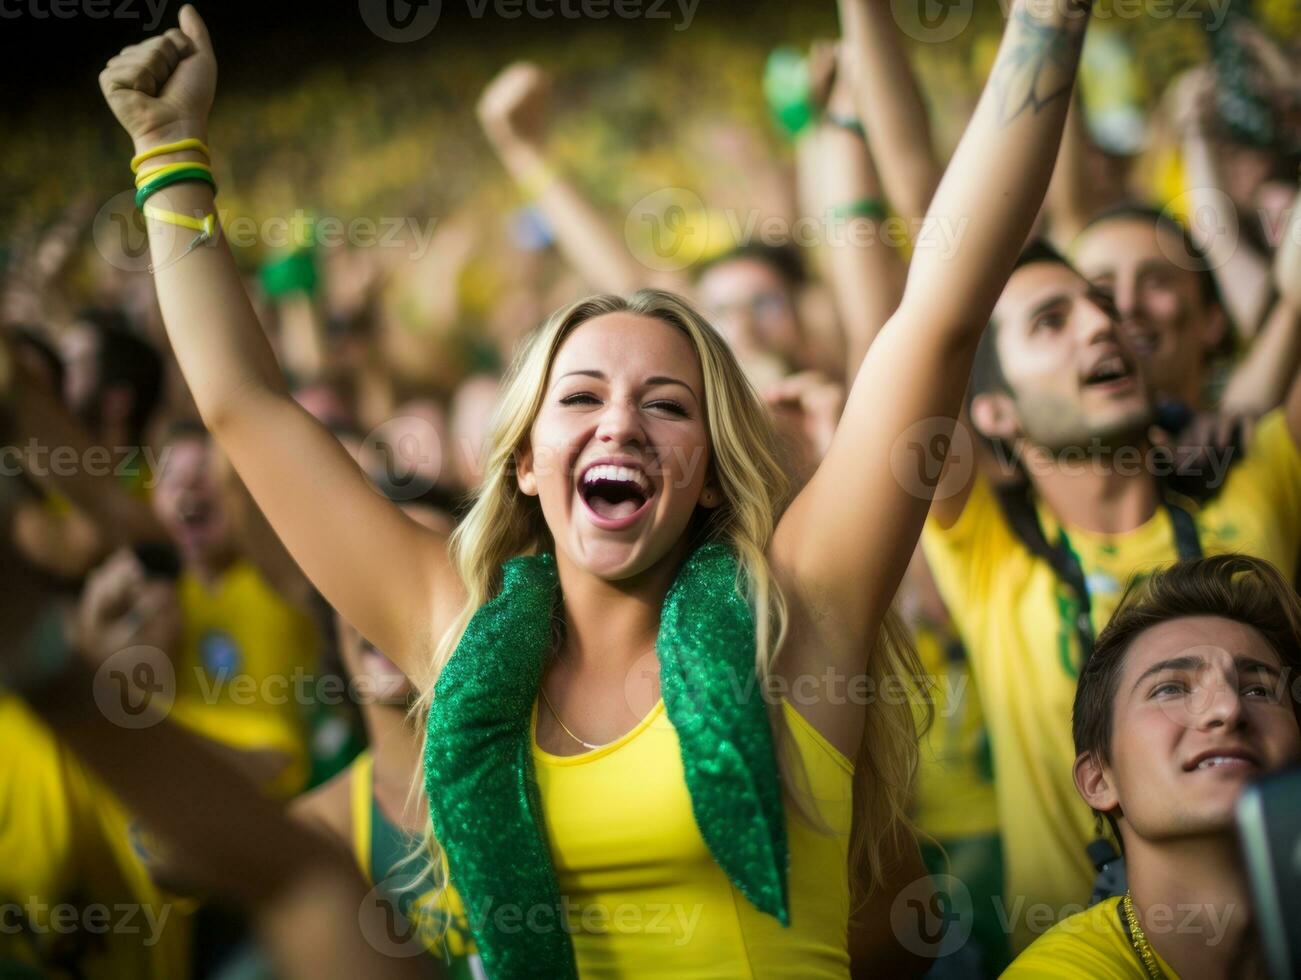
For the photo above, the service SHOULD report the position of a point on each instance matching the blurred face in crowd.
(190, 502)
(751, 304)
(618, 454)
(1202, 707)
(1072, 377)
(1164, 313)
(80, 351)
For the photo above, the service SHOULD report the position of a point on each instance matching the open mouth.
(194, 513)
(1110, 373)
(615, 495)
(1226, 760)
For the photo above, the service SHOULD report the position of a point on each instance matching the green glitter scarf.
(483, 796)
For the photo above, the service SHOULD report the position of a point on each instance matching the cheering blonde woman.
(631, 627)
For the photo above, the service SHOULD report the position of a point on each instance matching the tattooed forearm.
(1037, 64)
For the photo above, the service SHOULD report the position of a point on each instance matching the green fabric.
(483, 796)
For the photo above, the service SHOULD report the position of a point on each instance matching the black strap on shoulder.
(1023, 518)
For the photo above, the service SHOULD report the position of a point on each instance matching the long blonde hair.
(748, 471)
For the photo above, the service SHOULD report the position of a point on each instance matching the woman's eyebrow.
(658, 379)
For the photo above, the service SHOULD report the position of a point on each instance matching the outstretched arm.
(376, 566)
(511, 111)
(847, 538)
(890, 107)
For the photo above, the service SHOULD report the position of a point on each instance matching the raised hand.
(513, 108)
(161, 89)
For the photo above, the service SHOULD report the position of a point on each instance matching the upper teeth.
(1112, 365)
(1218, 760)
(616, 474)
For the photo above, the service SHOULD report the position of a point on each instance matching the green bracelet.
(868, 207)
(189, 173)
(845, 122)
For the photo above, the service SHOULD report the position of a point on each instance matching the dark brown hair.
(1233, 586)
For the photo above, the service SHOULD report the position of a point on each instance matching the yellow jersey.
(1017, 622)
(74, 900)
(644, 897)
(246, 665)
(954, 798)
(1086, 946)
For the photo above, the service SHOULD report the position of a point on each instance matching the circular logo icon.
(121, 234)
(932, 916)
(219, 653)
(388, 930)
(918, 458)
(1209, 215)
(400, 21)
(932, 21)
(404, 456)
(668, 230)
(135, 687)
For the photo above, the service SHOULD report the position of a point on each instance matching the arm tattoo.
(1038, 66)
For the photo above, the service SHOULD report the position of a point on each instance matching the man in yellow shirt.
(1186, 697)
(1031, 572)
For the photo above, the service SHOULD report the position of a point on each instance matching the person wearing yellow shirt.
(247, 653)
(1184, 699)
(1032, 570)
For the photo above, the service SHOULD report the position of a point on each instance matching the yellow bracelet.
(178, 146)
(206, 225)
(169, 168)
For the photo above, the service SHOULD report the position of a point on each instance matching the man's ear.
(525, 475)
(1093, 781)
(994, 415)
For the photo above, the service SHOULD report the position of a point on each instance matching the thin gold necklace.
(1138, 939)
(556, 715)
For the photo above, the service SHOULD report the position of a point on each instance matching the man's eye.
(1050, 321)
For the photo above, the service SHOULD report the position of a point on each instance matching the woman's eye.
(1168, 689)
(1050, 321)
(1258, 691)
(580, 398)
(668, 405)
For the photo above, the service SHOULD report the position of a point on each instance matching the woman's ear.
(1094, 783)
(710, 497)
(994, 415)
(525, 475)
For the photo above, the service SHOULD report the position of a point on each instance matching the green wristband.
(868, 207)
(845, 122)
(188, 173)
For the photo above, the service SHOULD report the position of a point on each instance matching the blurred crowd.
(399, 247)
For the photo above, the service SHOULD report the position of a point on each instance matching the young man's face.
(1073, 379)
(1163, 310)
(1203, 706)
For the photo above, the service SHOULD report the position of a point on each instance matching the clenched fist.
(514, 105)
(161, 90)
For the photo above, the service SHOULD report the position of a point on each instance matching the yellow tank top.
(247, 661)
(643, 895)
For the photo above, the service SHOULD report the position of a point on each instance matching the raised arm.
(511, 110)
(1242, 273)
(890, 106)
(847, 538)
(381, 570)
(866, 273)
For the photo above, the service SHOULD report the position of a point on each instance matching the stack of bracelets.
(150, 181)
